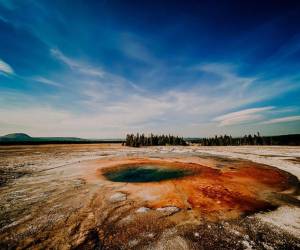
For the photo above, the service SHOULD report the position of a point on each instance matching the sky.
(101, 69)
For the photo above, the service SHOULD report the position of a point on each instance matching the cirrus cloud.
(5, 68)
(283, 119)
(242, 116)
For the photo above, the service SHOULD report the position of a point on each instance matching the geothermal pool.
(145, 173)
(227, 189)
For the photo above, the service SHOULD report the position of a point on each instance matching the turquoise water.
(145, 173)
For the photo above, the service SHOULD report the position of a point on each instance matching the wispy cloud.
(46, 81)
(5, 68)
(242, 116)
(112, 105)
(283, 119)
(77, 65)
(93, 85)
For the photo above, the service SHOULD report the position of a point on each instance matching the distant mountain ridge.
(16, 136)
(22, 138)
(19, 137)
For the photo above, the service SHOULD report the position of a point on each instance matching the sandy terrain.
(57, 196)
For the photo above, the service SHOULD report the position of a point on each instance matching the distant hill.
(16, 137)
(21, 138)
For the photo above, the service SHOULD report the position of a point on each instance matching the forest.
(228, 140)
(222, 140)
(256, 139)
(153, 140)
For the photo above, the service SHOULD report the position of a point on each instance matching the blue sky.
(101, 69)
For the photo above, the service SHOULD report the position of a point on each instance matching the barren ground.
(56, 196)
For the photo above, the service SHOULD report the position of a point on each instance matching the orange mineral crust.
(239, 187)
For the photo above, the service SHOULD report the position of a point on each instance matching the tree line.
(228, 140)
(153, 140)
(222, 140)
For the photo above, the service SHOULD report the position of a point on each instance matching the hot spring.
(145, 173)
